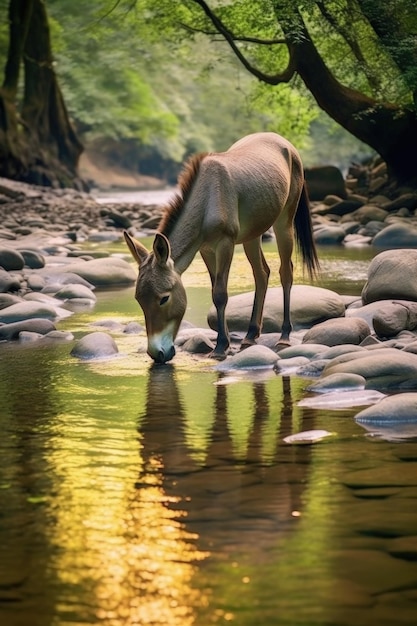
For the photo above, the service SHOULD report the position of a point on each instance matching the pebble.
(307, 437)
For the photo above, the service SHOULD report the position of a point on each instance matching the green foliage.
(156, 74)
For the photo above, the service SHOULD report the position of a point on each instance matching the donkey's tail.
(304, 234)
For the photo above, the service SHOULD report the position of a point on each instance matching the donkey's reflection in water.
(216, 468)
(225, 199)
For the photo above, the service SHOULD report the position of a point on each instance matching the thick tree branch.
(256, 40)
(270, 79)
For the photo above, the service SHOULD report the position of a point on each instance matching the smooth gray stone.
(9, 332)
(95, 345)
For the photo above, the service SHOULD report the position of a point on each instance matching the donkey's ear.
(161, 248)
(137, 249)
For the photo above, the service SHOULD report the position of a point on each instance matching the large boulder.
(309, 305)
(324, 180)
(338, 331)
(392, 274)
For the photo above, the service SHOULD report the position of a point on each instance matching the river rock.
(392, 319)
(292, 364)
(251, 357)
(133, 328)
(342, 399)
(8, 282)
(110, 324)
(309, 305)
(70, 292)
(25, 310)
(334, 332)
(42, 297)
(198, 344)
(324, 180)
(307, 437)
(9, 332)
(391, 410)
(309, 350)
(368, 311)
(392, 274)
(58, 336)
(339, 350)
(11, 259)
(339, 207)
(338, 382)
(382, 368)
(399, 235)
(368, 213)
(372, 228)
(28, 337)
(405, 200)
(32, 258)
(35, 282)
(329, 235)
(95, 345)
(313, 368)
(54, 279)
(7, 299)
(411, 347)
(105, 272)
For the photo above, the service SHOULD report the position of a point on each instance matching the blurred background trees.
(142, 84)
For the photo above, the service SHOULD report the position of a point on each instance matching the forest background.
(147, 83)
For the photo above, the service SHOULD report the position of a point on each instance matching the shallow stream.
(139, 495)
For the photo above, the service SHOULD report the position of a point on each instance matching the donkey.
(225, 199)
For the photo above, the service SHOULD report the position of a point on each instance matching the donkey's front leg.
(224, 255)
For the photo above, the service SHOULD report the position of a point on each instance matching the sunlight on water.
(132, 494)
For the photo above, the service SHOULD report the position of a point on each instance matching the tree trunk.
(39, 145)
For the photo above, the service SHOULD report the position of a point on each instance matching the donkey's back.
(253, 182)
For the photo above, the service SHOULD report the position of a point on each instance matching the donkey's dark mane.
(186, 181)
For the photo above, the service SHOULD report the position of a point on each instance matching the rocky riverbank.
(44, 269)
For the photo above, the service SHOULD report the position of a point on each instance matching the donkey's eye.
(163, 300)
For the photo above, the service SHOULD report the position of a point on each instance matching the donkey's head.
(161, 295)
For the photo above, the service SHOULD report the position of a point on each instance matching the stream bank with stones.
(46, 271)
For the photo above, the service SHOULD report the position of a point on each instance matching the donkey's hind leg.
(261, 273)
(284, 233)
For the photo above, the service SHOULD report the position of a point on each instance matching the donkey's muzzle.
(163, 356)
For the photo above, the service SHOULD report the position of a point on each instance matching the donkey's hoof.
(246, 343)
(217, 356)
(282, 343)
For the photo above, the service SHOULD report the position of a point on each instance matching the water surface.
(133, 494)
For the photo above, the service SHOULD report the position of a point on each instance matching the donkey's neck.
(185, 236)
(184, 218)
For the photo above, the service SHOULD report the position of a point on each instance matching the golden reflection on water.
(120, 548)
(148, 469)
